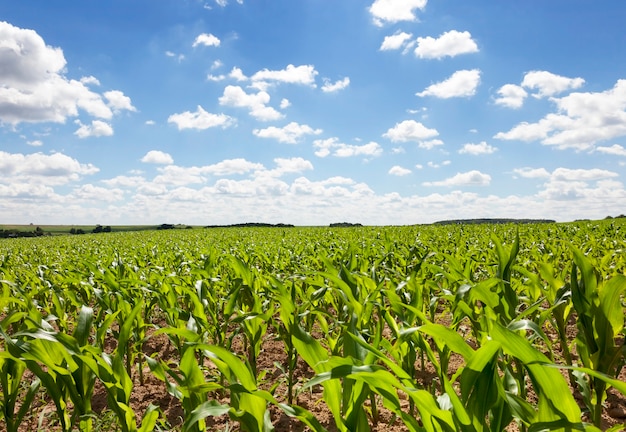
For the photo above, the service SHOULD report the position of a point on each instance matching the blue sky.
(382, 112)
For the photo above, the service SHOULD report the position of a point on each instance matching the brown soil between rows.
(153, 391)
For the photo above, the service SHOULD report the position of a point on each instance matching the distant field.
(65, 229)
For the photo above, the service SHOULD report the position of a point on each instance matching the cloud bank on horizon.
(395, 112)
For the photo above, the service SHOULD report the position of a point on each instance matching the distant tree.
(97, 229)
(106, 229)
(39, 232)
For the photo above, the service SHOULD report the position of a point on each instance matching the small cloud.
(150, 122)
(118, 101)
(329, 87)
(393, 11)
(511, 96)
(216, 64)
(289, 134)
(35, 143)
(200, 120)
(549, 84)
(338, 149)
(395, 41)
(157, 157)
(532, 172)
(470, 178)
(478, 149)
(615, 149)
(461, 83)
(206, 39)
(399, 171)
(449, 44)
(90, 80)
(410, 130)
(215, 78)
(97, 128)
(284, 103)
(237, 74)
(178, 57)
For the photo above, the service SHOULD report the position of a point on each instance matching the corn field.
(421, 328)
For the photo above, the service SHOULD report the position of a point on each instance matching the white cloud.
(178, 57)
(206, 39)
(303, 75)
(410, 130)
(332, 146)
(478, 149)
(200, 119)
(449, 44)
(549, 84)
(392, 11)
(90, 80)
(235, 96)
(566, 174)
(284, 103)
(511, 96)
(237, 74)
(341, 84)
(532, 172)
(286, 166)
(395, 41)
(461, 83)
(34, 86)
(97, 128)
(97, 193)
(53, 169)
(35, 143)
(157, 157)
(615, 149)
(215, 78)
(399, 171)
(289, 134)
(118, 101)
(566, 184)
(470, 178)
(233, 166)
(581, 121)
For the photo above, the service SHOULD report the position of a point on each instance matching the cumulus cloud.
(477, 149)
(395, 41)
(565, 184)
(549, 84)
(303, 75)
(286, 166)
(332, 146)
(580, 121)
(157, 157)
(200, 119)
(449, 44)
(511, 96)
(97, 128)
(118, 101)
(206, 39)
(532, 173)
(233, 166)
(235, 96)
(330, 87)
(392, 11)
(410, 130)
(470, 178)
(461, 83)
(53, 169)
(34, 86)
(615, 149)
(399, 171)
(290, 134)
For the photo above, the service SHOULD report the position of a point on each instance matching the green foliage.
(367, 310)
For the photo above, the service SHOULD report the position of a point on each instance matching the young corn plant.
(600, 322)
